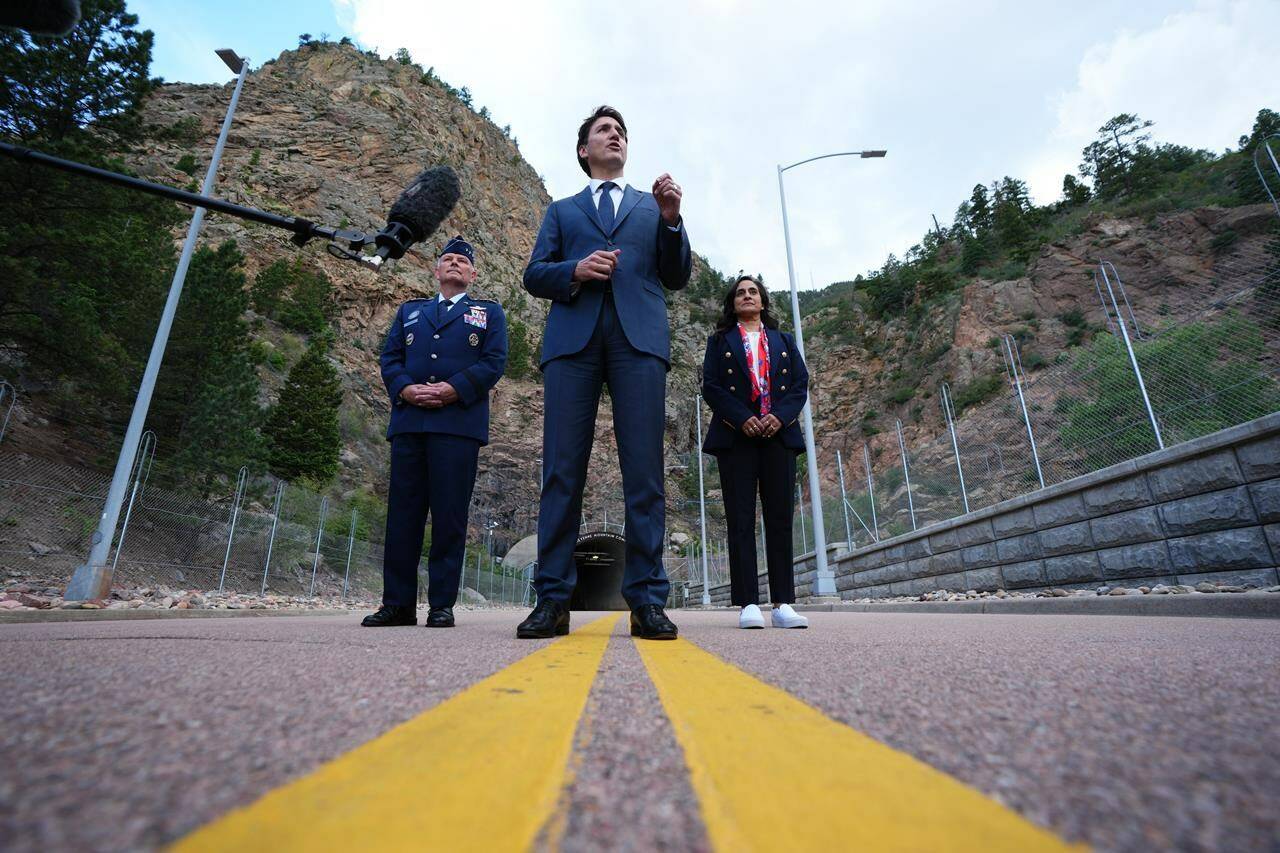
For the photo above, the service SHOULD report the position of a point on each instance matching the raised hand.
(668, 194)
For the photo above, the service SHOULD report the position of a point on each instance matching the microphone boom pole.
(303, 229)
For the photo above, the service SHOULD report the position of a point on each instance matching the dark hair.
(584, 130)
(729, 317)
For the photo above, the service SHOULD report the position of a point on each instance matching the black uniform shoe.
(548, 619)
(440, 617)
(389, 616)
(648, 622)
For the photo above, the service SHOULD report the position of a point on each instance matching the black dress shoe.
(389, 616)
(548, 619)
(440, 617)
(649, 622)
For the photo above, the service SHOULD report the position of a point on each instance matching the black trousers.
(430, 472)
(766, 465)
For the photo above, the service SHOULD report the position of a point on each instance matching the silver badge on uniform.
(474, 339)
(408, 339)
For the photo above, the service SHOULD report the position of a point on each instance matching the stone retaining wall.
(1205, 510)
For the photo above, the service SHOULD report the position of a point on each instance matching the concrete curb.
(20, 617)
(1223, 605)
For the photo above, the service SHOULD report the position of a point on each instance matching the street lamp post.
(93, 579)
(824, 581)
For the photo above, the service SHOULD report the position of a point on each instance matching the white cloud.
(718, 92)
(1201, 75)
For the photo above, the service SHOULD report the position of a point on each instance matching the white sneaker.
(750, 617)
(785, 617)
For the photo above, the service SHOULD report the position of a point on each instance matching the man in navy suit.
(603, 258)
(441, 357)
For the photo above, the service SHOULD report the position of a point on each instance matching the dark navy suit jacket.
(726, 386)
(468, 349)
(571, 231)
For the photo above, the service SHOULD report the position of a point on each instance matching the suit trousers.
(767, 465)
(637, 389)
(432, 473)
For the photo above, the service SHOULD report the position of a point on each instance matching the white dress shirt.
(453, 300)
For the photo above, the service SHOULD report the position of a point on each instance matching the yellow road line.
(481, 770)
(773, 772)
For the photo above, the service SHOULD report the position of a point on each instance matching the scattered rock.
(42, 550)
(1104, 590)
(1059, 593)
(1205, 586)
(1160, 589)
(1230, 588)
(10, 604)
(1118, 590)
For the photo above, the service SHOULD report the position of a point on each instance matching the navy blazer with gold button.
(467, 349)
(726, 386)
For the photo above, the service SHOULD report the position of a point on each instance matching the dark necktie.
(442, 310)
(605, 210)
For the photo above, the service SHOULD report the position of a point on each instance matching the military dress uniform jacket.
(726, 386)
(466, 348)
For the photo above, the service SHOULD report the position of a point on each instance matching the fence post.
(906, 473)
(13, 398)
(315, 564)
(1128, 345)
(871, 492)
(844, 503)
(949, 411)
(146, 455)
(241, 483)
(275, 522)
(351, 541)
(702, 499)
(804, 539)
(1013, 369)
(1264, 144)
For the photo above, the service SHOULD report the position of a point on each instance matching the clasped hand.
(430, 395)
(762, 427)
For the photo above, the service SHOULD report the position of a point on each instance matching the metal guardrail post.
(1102, 300)
(12, 393)
(702, 498)
(351, 541)
(241, 483)
(906, 473)
(1265, 144)
(1013, 369)
(950, 412)
(804, 539)
(1128, 345)
(146, 455)
(315, 564)
(275, 522)
(844, 503)
(871, 492)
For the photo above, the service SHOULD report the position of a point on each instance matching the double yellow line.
(484, 769)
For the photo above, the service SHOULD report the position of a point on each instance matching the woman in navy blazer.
(756, 383)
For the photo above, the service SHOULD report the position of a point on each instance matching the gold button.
(784, 353)
(728, 354)
(784, 387)
(731, 370)
(732, 388)
(784, 370)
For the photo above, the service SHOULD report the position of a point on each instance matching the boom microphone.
(416, 214)
(43, 17)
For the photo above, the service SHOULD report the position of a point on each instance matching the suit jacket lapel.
(630, 198)
(459, 308)
(584, 201)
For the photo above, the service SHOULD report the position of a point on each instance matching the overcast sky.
(718, 92)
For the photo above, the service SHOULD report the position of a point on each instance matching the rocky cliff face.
(333, 134)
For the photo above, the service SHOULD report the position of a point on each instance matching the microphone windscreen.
(44, 17)
(427, 202)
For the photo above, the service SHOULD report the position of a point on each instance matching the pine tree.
(302, 428)
(205, 403)
(270, 285)
(519, 352)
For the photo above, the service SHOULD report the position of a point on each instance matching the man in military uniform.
(441, 357)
